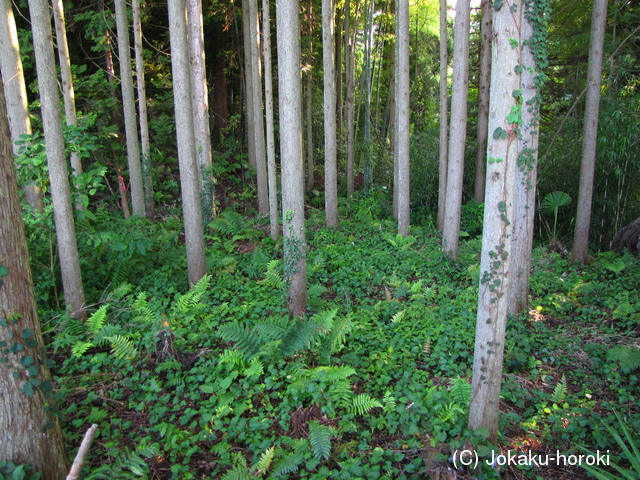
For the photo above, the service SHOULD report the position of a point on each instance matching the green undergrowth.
(217, 382)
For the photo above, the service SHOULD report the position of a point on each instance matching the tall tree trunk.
(248, 83)
(189, 176)
(483, 98)
(200, 98)
(290, 102)
(350, 61)
(274, 227)
(128, 104)
(458, 130)
(258, 110)
(337, 40)
(496, 257)
(68, 95)
(16, 92)
(403, 108)
(309, 97)
(56, 156)
(142, 113)
(534, 27)
(220, 107)
(330, 120)
(366, 138)
(590, 135)
(444, 100)
(29, 432)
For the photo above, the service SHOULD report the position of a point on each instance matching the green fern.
(232, 357)
(560, 391)
(389, 402)
(320, 440)
(244, 337)
(259, 262)
(289, 463)
(398, 316)
(80, 348)
(362, 404)
(264, 462)
(239, 471)
(122, 347)
(449, 412)
(97, 319)
(273, 277)
(628, 356)
(341, 393)
(120, 273)
(460, 391)
(229, 223)
(338, 332)
(126, 465)
(192, 298)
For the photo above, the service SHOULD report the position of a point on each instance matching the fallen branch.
(76, 468)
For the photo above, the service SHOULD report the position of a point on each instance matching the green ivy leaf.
(497, 5)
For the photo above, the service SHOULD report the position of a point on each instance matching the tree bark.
(272, 174)
(29, 432)
(444, 110)
(56, 157)
(189, 176)
(527, 172)
(142, 113)
(403, 107)
(290, 102)
(68, 95)
(590, 135)
(496, 257)
(128, 104)
(330, 117)
(457, 130)
(483, 98)
(15, 89)
(258, 110)
(201, 108)
(248, 84)
(309, 97)
(350, 59)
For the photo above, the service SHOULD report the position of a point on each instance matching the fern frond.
(255, 369)
(389, 402)
(190, 299)
(233, 357)
(120, 273)
(398, 316)
(229, 223)
(126, 465)
(264, 462)
(239, 471)
(449, 412)
(288, 464)
(74, 328)
(362, 404)
(460, 391)
(333, 373)
(273, 277)
(245, 338)
(341, 393)
(79, 348)
(122, 347)
(259, 261)
(560, 391)
(320, 440)
(97, 319)
(629, 357)
(299, 337)
(427, 346)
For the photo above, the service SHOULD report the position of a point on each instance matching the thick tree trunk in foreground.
(290, 100)
(56, 156)
(527, 172)
(330, 120)
(496, 256)
(590, 135)
(189, 176)
(444, 100)
(402, 107)
(129, 106)
(23, 409)
(142, 113)
(457, 130)
(15, 90)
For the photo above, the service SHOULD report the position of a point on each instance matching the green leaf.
(497, 4)
(3, 270)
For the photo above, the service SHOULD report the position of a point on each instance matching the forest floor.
(217, 382)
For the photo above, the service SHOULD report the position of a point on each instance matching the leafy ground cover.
(217, 382)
